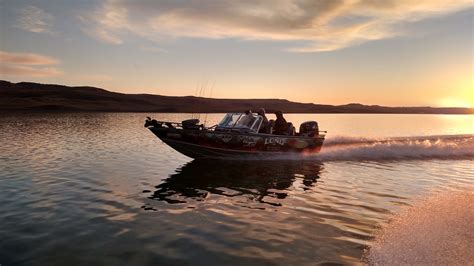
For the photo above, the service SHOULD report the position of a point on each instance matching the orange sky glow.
(394, 53)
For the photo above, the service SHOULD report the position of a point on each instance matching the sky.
(392, 52)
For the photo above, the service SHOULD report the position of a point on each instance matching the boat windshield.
(229, 120)
(239, 120)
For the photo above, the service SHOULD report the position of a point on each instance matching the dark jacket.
(281, 126)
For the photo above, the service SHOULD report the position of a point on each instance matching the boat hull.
(227, 145)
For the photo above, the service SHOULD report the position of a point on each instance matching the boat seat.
(291, 129)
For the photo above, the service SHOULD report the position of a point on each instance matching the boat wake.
(429, 147)
(398, 148)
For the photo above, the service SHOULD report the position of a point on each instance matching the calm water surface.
(98, 188)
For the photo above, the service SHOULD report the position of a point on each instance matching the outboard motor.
(191, 124)
(309, 129)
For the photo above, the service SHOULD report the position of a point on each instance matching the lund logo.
(274, 141)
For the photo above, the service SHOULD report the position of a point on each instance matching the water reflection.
(267, 182)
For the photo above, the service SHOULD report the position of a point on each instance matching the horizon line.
(282, 99)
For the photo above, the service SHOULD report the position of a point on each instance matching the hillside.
(34, 96)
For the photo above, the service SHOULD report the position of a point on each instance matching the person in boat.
(281, 126)
(264, 124)
(247, 118)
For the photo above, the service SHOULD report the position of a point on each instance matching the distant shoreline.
(35, 97)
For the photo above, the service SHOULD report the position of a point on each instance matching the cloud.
(107, 20)
(28, 71)
(103, 35)
(26, 59)
(27, 64)
(325, 25)
(36, 20)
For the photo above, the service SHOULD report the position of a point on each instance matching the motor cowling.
(191, 124)
(309, 129)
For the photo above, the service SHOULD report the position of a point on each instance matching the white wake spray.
(342, 148)
(428, 147)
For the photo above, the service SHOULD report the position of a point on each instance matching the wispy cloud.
(28, 71)
(27, 64)
(26, 59)
(324, 25)
(36, 20)
(108, 20)
(103, 35)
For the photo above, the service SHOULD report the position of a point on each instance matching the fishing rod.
(210, 97)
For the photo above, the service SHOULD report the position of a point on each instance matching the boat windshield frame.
(232, 121)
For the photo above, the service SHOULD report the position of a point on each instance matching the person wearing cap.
(281, 126)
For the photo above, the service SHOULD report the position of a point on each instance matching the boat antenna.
(210, 97)
(198, 114)
(194, 115)
(201, 93)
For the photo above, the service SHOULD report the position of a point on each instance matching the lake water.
(100, 189)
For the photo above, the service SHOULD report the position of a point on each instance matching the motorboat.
(238, 135)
